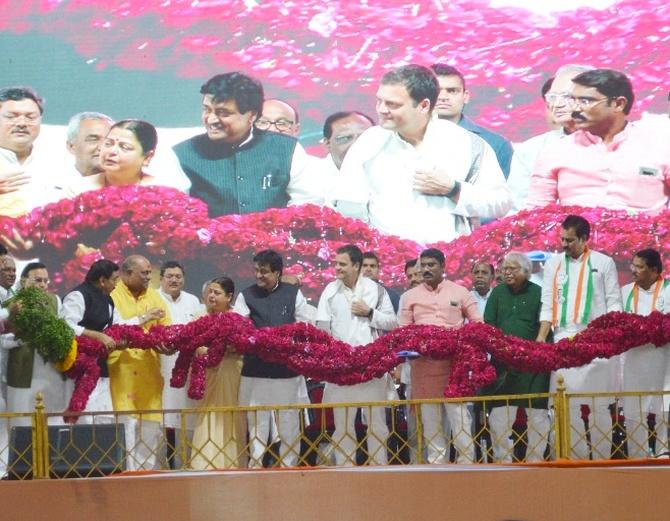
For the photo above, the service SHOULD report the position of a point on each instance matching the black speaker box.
(75, 451)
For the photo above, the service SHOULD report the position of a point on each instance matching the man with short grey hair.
(85, 132)
(514, 308)
(526, 153)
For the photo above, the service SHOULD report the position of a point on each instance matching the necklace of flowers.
(315, 354)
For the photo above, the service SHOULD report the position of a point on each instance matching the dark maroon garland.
(315, 354)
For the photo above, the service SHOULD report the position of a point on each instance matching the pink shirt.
(448, 306)
(631, 173)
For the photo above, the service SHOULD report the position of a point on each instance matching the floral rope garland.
(158, 222)
(315, 354)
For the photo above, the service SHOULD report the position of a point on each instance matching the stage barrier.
(500, 429)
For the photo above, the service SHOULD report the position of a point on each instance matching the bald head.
(136, 273)
(279, 116)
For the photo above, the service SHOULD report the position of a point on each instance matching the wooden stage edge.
(448, 492)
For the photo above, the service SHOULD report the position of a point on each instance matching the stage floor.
(450, 492)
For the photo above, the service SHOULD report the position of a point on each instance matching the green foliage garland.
(37, 324)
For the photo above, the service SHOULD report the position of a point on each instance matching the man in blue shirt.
(451, 101)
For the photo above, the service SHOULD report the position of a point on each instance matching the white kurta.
(597, 375)
(46, 379)
(378, 173)
(184, 309)
(644, 368)
(335, 310)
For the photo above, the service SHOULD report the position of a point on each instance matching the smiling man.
(443, 303)
(426, 167)
(236, 168)
(608, 161)
(268, 303)
(24, 181)
(355, 309)
(184, 307)
(134, 374)
(85, 132)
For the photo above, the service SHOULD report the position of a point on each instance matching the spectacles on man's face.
(282, 125)
(585, 102)
(557, 97)
(31, 118)
(343, 140)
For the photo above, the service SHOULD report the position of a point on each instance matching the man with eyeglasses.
(24, 177)
(555, 94)
(27, 372)
(237, 168)
(340, 131)
(279, 116)
(607, 161)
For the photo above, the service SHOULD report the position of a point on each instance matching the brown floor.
(420, 493)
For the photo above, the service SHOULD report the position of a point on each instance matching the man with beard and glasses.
(439, 302)
(607, 161)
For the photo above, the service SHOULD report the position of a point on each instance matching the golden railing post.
(562, 420)
(419, 433)
(181, 439)
(40, 440)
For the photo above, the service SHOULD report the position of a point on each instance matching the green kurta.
(516, 314)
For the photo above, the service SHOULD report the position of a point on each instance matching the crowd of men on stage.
(578, 286)
(424, 172)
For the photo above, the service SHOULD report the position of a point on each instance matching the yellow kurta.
(134, 374)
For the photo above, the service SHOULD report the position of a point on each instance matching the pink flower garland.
(315, 354)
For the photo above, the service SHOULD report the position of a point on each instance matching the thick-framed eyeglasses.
(557, 97)
(280, 124)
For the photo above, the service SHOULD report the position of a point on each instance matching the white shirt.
(74, 308)
(40, 189)
(306, 182)
(330, 176)
(377, 178)
(302, 312)
(646, 297)
(481, 301)
(184, 309)
(335, 309)
(606, 292)
(523, 162)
